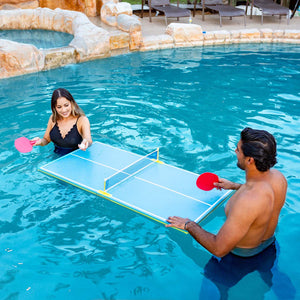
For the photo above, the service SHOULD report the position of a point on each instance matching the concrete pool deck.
(157, 35)
(211, 23)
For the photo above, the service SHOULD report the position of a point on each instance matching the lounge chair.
(224, 10)
(170, 11)
(269, 8)
(297, 4)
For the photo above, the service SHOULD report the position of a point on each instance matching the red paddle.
(206, 181)
(24, 145)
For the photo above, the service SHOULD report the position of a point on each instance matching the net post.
(157, 156)
(107, 185)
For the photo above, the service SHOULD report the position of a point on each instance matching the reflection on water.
(62, 242)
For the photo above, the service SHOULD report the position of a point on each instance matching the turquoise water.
(59, 242)
(42, 39)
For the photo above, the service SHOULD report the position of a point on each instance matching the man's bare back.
(260, 203)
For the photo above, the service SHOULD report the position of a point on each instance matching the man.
(253, 211)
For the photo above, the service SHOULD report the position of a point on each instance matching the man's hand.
(177, 222)
(226, 184)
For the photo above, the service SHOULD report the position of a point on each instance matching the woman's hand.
(84, 145)
(40, 142)
(37, 141)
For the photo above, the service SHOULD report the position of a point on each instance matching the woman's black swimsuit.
(67, 144)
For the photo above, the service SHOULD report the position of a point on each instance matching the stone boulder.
(119, 40)
(90, 41)
(55, 58)
(250, 36)
(110, 11)
(133, 26)
(106, 1)
(185, 35)
(123, 8)
(17, 59)
(89, 7)
(14, 4)
(129, 23)
(40, 18)
(108, 14)
(157, 42)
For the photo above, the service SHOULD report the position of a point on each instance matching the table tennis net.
(130, 170)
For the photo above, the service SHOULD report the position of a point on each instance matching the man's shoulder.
(278, 180)
(256, 186)
(255, 191)
(276, 173)
(251, 199)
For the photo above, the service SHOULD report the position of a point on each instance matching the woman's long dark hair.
(76, 110)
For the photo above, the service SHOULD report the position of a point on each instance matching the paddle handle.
(32, 142)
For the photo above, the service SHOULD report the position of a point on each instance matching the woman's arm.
(85, 131)
(46, 139)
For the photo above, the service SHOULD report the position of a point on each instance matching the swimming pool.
(63, 243)
(42, 39)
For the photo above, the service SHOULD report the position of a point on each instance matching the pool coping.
(93, 42)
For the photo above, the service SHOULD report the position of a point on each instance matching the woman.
(68, 127)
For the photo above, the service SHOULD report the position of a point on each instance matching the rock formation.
(90, 41)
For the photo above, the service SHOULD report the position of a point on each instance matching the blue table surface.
(158, 191)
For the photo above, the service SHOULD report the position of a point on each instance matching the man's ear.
(250, 160)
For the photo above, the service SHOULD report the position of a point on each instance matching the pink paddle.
(206, 181)
(24, 145)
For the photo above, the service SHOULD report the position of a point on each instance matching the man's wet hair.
(260, 145)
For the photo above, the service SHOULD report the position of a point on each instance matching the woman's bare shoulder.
(50, 121)
(83, 120)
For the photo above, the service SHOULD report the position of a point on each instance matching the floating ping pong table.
(141, 183)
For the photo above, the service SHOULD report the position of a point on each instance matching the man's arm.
(236, 226)
(227, 185)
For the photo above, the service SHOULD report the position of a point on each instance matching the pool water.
(60, 242)
(42, 39)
